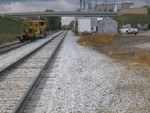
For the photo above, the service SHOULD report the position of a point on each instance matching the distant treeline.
(133, 19)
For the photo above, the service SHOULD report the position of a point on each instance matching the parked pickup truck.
(129, 31)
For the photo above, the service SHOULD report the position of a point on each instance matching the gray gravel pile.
(90, 82)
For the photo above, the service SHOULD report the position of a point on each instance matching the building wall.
(113, 7)
(102, 8)
(108, 8)
(126, 5)
(108, 26)
(134, 11)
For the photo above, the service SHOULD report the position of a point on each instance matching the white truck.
(84, 25)
(129, 31)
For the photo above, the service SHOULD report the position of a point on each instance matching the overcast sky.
(58, 5)
(41, 5)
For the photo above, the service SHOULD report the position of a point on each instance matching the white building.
(108, 26)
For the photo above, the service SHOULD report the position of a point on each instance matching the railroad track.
(39, 100)
(12, 58)
(23, 77)
(7, 48)
(10, 47)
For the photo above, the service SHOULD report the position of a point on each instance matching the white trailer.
(84, 25)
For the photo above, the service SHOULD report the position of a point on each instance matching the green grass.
(9, 27)
(133, 19)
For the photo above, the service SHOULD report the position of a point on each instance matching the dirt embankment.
(4, 39)
(122, 49)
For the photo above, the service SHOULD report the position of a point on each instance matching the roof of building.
(115, 4)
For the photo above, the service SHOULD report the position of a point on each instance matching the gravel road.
(90, 82)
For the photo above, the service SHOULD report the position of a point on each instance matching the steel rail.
(21, 104)
(26, 56)
(9, 45)
(1, 47)
(9, 49)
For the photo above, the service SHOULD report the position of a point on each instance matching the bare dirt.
(125, 49)
(6, 39)
(146, 33)
(130, 50)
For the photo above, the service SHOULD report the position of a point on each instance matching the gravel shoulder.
(90, 82)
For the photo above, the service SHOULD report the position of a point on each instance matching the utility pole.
(119, 4)
(133, 3)
(106, 5)
(89, 5)
(80, 5)
(96, 5)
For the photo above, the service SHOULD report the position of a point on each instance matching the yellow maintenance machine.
(35, 31)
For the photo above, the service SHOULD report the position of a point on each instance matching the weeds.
(143, 59)
(96, 39)
(73, 30)
(117, 48)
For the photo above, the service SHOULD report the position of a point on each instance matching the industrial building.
(87, 24)
(134, 11)
(113, 7)
(125, 8)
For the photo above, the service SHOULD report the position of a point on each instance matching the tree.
(53, 23)
(71, 25)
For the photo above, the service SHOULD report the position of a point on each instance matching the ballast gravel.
(90, 82)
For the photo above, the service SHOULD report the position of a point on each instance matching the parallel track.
(16, 81)
(25, 57)
(7, 48)
(10, 47)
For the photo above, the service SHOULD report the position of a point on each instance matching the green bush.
(148, 26)
(53, 23)
(133, 19)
